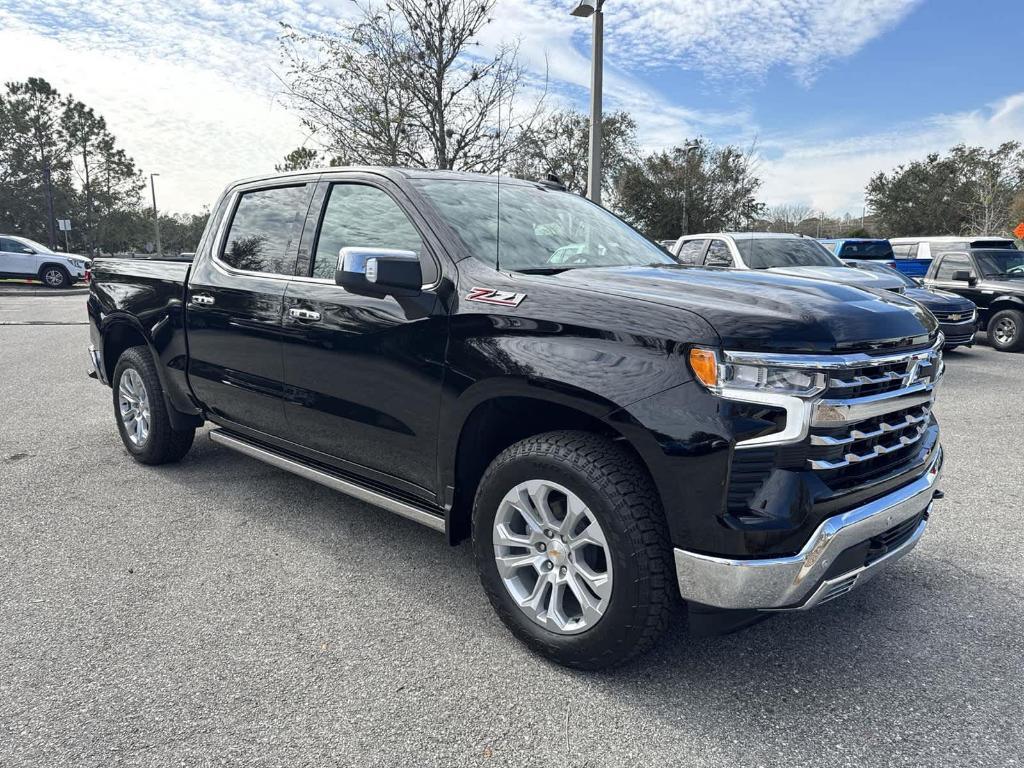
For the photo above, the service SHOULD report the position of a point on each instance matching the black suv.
(993, 278)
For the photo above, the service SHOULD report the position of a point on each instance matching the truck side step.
(349, 488)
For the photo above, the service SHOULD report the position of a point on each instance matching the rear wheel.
(141, 412)
(1006, 330)
(573, 550)
(55, 277)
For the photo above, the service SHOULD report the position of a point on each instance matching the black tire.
(622, 497)
(1006, 330)
(54, 276)
(162, 444)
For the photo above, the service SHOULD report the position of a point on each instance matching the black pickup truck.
(992, 278)
(506, 361)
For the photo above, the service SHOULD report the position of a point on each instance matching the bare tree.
(405, 84)
(786, 218)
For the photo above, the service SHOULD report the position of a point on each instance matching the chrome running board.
(408, 511)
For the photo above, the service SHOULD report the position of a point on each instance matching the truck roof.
(392, 172)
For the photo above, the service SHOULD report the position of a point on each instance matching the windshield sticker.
(491, 296)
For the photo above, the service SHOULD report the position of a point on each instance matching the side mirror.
(963, 276)
(379, 272)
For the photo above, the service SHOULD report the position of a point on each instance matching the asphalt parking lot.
(223, 612)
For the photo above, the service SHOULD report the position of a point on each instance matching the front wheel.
(1006, 330)
(573, 551)
(141, 412)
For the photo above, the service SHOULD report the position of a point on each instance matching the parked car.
(993, 278)
(26, 259)
(668, 245)
(877, 250)
(957, 316)
(787, 254)
(613, 431)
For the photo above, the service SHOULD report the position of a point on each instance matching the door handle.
(304, 314)
(199, 298)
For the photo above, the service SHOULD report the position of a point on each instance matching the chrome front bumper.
(797, 582)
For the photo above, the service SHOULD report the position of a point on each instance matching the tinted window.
(866, 249)
(6, 245)
(691, 251)
(358, 216)
(265, 230)
(767, 252)
(951, 264)
(1002, 262)
(718, 255)
(1008, 244)
(535, 228)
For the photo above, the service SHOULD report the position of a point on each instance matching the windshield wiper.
(543, 270)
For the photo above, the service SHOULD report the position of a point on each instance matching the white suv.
(24, 258)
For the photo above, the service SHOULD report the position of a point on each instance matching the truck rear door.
(235, 299)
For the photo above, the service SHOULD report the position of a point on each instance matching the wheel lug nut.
(549, 533)
(548, 565)
(541, 546)
(561, 571)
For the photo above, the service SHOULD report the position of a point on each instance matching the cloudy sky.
(830, 90)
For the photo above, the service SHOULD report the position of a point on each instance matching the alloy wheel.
(552, 556)
(133, 404)
(53, 277)
(1005, 331)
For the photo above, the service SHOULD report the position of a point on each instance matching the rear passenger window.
(906, 251)
(265, 230)
(360, 216)
(691, 251)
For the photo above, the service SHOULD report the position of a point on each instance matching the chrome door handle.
(304, 314)
(199, 298)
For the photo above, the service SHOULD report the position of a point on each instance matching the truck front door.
(235, 298)
(364, 374)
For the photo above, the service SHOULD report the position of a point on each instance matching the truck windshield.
(536, 229)
(768, 252)
(1000, 263)
(866, 249)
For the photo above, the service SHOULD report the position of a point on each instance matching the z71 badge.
(491, 296)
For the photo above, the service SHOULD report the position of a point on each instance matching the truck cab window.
(361, 216)
(718, 255)
(951, 264)
(265, 229)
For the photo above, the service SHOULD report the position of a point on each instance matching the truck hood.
(761, 311)
(845, 275)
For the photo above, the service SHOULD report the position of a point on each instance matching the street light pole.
(584, 9)
(156, 217)
(688, 149)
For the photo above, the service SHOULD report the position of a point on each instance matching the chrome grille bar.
(873, 453)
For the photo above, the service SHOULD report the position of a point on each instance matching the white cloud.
(831, 175)
(188, 85)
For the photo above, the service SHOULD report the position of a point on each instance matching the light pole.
(156, 217)
(688, 149)
(584, 9)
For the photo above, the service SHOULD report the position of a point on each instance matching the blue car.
(876, 250)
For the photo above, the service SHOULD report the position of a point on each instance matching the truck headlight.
(718, 376)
